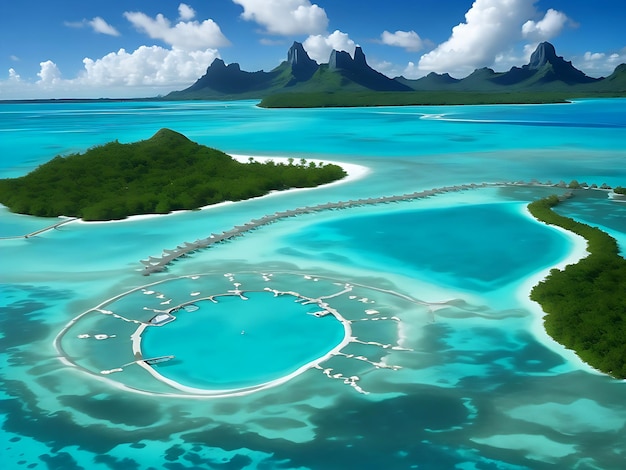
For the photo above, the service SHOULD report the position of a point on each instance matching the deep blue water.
(450, 354)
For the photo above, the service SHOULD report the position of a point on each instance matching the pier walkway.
(156, 264)
(41, 230)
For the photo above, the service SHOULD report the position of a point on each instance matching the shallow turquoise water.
(434, 243)
(239, 343)
(479, 384)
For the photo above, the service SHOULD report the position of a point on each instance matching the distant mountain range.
(546, 72)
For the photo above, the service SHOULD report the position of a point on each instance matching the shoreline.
(536, 327)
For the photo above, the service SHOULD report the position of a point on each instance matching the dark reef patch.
(122, 409)
(60, 461)
(116, 464)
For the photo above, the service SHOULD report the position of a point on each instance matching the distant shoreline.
(362, 99)
(79, 100)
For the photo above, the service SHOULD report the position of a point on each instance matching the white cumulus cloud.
(387, 68)
(411, 71)
(49, 74)
(186, 35)
(490, 26)
(489, 34)
(145, 71)
(408, 40)
(285, 17)
(319, 46)
(13, 75)
(598, 64)
(185, 12)
(511, 57)
(550, 26)
(146, 66)
(102, 27)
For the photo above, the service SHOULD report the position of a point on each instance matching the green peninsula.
(585, 304)
(156, 176)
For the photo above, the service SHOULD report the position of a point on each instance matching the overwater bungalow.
(162, 319)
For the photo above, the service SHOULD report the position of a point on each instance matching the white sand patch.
(536, 447)
(354, 171)
(582, 415)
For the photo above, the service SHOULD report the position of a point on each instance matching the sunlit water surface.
(454, 369)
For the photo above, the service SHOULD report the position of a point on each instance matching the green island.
(585, 303)
(156, 176)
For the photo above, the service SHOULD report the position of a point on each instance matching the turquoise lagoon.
(246, 340)
(443, 364)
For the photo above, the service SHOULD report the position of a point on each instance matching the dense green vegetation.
(164, 173)
(411, 98)
(586, 302)
(619, 190)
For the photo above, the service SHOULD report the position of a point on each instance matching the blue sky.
(136, 48)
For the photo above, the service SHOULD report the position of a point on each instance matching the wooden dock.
(42, 230)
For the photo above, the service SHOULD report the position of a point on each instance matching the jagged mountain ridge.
(299, 73)
(230, 79)
(358, 71)
(302, 66)
(545, 72)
